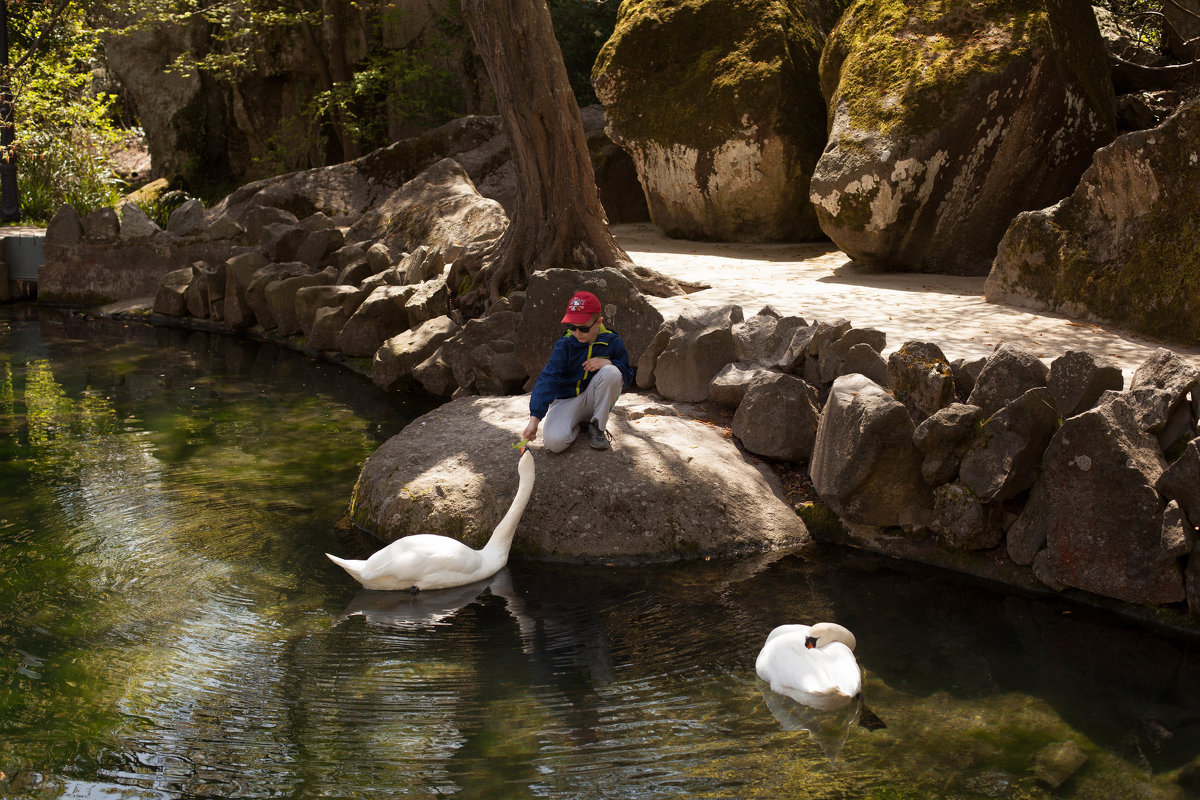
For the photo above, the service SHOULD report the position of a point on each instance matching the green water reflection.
(171, 628)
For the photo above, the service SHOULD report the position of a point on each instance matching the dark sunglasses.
(581, 328)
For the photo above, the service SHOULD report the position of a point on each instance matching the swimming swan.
(427, 561)
(812, 665)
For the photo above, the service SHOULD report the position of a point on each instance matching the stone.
(318, 246)
(626, 311)
(1057, 762)
(729, 385)
(865, 360)
(920, 377)
(101, 225)
(215, 278)
(1102, 517)
(763, 335)
(310, 299)
(65, 227)
(198, 296)
(436, 376)
(864, 464)
(1009, 372)
(803, 347)
(355, 272)
(280, 241)
(171, 297)
(831, 354)
(482, 356)
(1077, 379)
(942, 439)
(327, 325)
(422, 264)
(1115, 248)
(439, 208)
(136, 224)
(397, 357)
(430, 299)
(379, 256)
(965, 374)
(777, 418)
(225, 226)
(669, 488)
(1002, 461)
(700, 345)
(188, 219)
(281, 298)
(239, 271)
(381, 316)
(1180, 482)
(962, 521)
(259, 218)
(923, 173)
(731, 158)
(256, 290)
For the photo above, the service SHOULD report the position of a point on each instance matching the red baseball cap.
(581, 309)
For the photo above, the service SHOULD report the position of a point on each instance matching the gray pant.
(561, 424)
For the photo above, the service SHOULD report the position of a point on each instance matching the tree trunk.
(557, 217)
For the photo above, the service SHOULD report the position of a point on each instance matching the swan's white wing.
(422, 559)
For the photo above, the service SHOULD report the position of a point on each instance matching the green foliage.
(63, 129)
(1143, 18)
(582, 27)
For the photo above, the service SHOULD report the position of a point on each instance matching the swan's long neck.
(501, 540)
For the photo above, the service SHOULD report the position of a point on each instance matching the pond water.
(170, 627)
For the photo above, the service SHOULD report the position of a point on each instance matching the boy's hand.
(531, 427)
(596, 364)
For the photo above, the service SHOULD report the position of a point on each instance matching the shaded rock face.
(1123, 246)
(864, 463)
(1102, 518)
(670, 488)
(717, 103)
(947, 119)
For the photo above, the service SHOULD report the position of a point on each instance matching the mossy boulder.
(717, 102)
(1125, 246)
(947, 119)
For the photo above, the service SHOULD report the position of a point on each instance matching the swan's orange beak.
(809, 642)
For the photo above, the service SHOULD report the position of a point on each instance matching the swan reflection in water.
(829, 729)
(435, 607)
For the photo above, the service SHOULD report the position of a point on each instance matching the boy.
(587, 370)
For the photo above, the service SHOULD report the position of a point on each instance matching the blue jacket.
(564, 376)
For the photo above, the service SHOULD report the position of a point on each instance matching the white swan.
(812, 665)
(427, 561)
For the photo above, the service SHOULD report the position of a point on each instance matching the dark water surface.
(170, 627)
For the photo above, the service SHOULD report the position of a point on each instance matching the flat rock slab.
(670, 487)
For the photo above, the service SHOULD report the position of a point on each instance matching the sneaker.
(597, 438)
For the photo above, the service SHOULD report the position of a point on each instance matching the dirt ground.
(818, 282)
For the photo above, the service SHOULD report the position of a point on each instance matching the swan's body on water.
(812, 665)
(427, 561)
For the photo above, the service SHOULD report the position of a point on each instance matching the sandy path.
(818, 282)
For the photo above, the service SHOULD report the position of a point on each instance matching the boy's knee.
(556, 444)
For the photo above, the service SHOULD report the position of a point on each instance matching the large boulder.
(381, 316)
(669, 488)
(948, 119)
(864, 463)
(1122, 246)
(1009, 372)
(626, 311)
(1077, 379)
(439, 208)
(397, 357)
(281, 298)
(482, 356)
(920, 377)
(1102, 519)
(1002, 461)
(717, 103)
